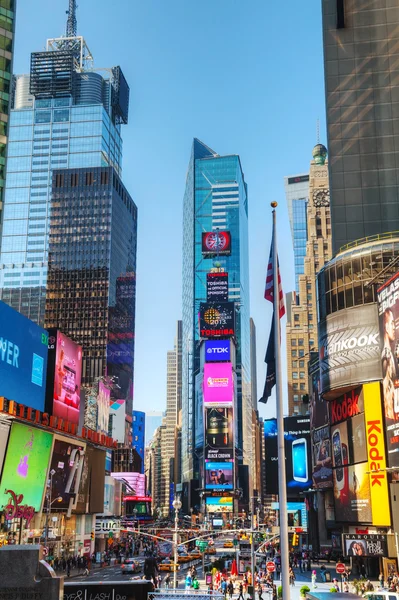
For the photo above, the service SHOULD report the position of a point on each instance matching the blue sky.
(244, 77)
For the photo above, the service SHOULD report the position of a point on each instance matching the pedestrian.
(274, 594)
(260, 590)
(196, 584)
(230, 589)
(167, 581)
(300, 563)
(381, 580)
(346, 587)
(188, 581)
(223, 587)
(292, 576)
(240, 590)
(314, 578)
(68, 572)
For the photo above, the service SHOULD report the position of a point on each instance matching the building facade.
(215, 198)
(297, 194)
(301, 330)
(7, 28)
(361, 51)
(138, 434)
(153, 419)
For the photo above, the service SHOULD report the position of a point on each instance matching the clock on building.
(321, 198)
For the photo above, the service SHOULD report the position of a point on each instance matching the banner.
(352, 496)
(219, 434)
(218, 383)
(321, 458)
(217, 350)
(376, 455)
(216, 243)
(217, 320)
(217, 287)
(372, 544)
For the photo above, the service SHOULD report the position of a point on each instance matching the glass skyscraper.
(215, 198)
(297, 194)
(7, 26)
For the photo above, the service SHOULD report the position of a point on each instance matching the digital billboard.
(97, 479)
(218, 383)
(388, 311)
(216, 243)
(219, 476)
(372, 544)
(26, 464)
(297, 454)
(23, 359)
(217, 287)
(103, 400)
(136, 481)
(321, 458)
(217, 505)
(349, 348)
(217, 350)
(219, 441)
(352, 494)
(297, 513)
(318, 407)
(217, 320)
(67, 462)
(4, 432)
(64, 377)
(199, 411)
(118, 415)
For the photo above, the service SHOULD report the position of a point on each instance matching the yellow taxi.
(168, 565)
(183, 557)
(228, 545)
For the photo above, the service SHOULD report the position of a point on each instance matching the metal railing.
(377, 237)
(184, 594)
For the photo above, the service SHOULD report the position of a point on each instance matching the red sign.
(14, 510)
(86, 546)
(270, 566)
(362, 531)
(340, 568)
(216, 242)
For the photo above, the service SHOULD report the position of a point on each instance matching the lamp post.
(177, 507)
(48, 500)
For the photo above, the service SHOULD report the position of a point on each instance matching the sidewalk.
(79, 572)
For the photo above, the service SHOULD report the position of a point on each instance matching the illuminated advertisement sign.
(217, 320)
(216, 243)
(67, 463)
(219, 434)
(318, 407)
(217, 350)
(103, 400)
(376, 455)
(26, 464)
(219, 476)
(65, 366)
(372, 544)
(297, 513)
(136, 481)
(217, 505)
(217, 287)
(218, 383)
(388, 310)
(23, 359)
(321, 458)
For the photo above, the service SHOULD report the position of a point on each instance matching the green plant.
(304, 590)
(280, 591)
(333, 589)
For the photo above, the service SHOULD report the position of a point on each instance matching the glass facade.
(7, 26)
(215, 198)
(297, 194)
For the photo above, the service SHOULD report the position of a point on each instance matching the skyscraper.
(215, 198)
(301, 328)
(7, 27)
(361, 52)
(297, 194)
(69, 119)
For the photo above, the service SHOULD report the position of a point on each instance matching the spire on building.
(319, 154)
(72, 24)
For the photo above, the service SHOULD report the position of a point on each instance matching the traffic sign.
(270, 566)
(201, 544)
(340, 568)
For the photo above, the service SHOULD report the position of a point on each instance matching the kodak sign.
(376, 455)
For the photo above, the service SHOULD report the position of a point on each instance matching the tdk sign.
(217, 351)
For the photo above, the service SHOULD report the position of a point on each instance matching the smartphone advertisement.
(322, 458)
(318, 408)
(65, 370)
(219, 434)
(219, 476)
(67, 463)
(297, 454)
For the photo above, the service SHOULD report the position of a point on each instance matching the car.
(183, 557)
(228, 545)
(382, 595)
(210, 550)
(167, 565)
(130, 566)
(195, 554)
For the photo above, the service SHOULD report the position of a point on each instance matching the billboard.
(23, 359)
(219, 476)
(321, 458)
(118, 414)
(371, 544)
(4, 431)
(352, 494)
(67, 462)
(297, 454)
(218, 383)
(97, 479)
(103, 400)
(26, 464)
(318, 407)
(217, 320)
(217, 287)
(64, 377)
(349, 348)
(216, 243)
(217, 505)
(388, 311)
(217, 350)
(376, 455)
(136, 481)
(199, 411)
(219, 440)
(297, 513)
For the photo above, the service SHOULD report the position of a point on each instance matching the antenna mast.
(72, 24)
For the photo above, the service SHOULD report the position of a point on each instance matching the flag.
(269, 287)
(270, 360)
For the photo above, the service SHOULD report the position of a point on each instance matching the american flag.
(269, 288)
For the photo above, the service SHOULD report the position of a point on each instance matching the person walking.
(230, 589)
(260, 590)
(314, 578)
(167, 581)
(240, 590)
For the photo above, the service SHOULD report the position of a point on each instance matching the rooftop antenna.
(318, 131)
(72, 24)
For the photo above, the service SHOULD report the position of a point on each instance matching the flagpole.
(282, 484)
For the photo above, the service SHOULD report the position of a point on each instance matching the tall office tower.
(297, 194)
(301, 328)
(65, 115)
(91, 287)
(7, 27)
(215, 199)
(361, 52)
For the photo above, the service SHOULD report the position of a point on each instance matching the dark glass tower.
(91, 285)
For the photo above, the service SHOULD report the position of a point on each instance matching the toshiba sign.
(349, 348)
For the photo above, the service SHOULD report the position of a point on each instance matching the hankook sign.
(349, 348)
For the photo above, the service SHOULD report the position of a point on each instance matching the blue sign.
(217, 351)
(23, 358)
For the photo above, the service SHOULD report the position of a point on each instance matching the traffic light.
(92, 535)
(295, 539)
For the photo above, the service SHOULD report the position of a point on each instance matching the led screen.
(103, 399)
(26, 464)
(219, 476)
(219, 434)
(67, 463)
(217, 505)
(65, 361)
(216, 242)
(218, 383)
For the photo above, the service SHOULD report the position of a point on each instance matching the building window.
(302, 374)
(308, 286)
(294, 364)
(104, 177)
(309, 297)
(311, 343)
(293, 353)
(293, 342)
(295, 375)
(59, 180)
(296, 317)
(300, 342)
(310, 316)
(296, 410)
(296, 398)
(294, 386)
(301, 352)
(74, 179)
(301, 363)
(302, 386)
(89, 178)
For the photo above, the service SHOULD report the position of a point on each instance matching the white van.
(382, 595)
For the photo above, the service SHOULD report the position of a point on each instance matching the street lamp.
(177, 507)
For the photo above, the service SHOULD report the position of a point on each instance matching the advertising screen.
(216, 243)
(352, 494)
(372, 544)
(67, 463)
(217, 505)
(97, 479)
(4, 431)
(118, 415)
(219, 441)
(349, 348)
(318, 407)
(103, 400)
(388, 311)
(217, 287)
(217, 320)
(65, 367)
(218, 383)
(297, 454)
(321, 458)
(219, 476)
(136, 481)
(26, 464)
(23, 359)
(297, 513)
(217, 350)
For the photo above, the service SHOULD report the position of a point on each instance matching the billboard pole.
(282, 486)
